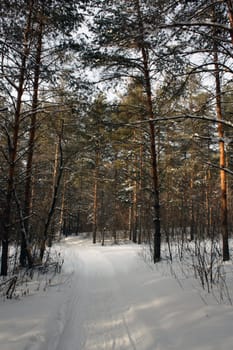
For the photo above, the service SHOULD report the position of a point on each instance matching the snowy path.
(99, 312)
(95, 315)
(110, 299)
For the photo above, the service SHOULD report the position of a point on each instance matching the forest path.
(109, 298)
(114, 300)
(99, 312)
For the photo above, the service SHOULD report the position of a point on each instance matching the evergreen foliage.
(110, 120)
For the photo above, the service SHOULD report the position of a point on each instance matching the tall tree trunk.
(134, 212)
(130, 220)
(58, 172)
(229, 5)
(192, 216)
(61, 219)
(207, 201)
(147, 79)
(140, 191)
(223, 174)
(95, 197)
(13, 146)
(135, 196)
(115, 207)
(25, 251)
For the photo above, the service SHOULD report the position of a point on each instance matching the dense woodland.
(115, 119)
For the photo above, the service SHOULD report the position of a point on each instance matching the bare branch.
(218, 167)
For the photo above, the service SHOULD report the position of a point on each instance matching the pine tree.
(125, 44)
(30, 29)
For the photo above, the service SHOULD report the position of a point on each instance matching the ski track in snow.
(96, 312)
(108, 298)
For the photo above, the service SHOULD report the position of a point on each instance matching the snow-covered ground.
(109, 298)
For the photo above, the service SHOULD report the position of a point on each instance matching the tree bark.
(230, 16)
(59, 172)
(134, 209)
(223, 174)
(147, 79)
(13, 147)
(95, 195)
(31, 144)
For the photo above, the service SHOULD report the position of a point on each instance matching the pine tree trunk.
(140, 193)
(134, 207)
(154, 162)
(223, 174)
(31, 142)
(58, 173)
(4, 261)
(95, 197)
(230, 16)
(13, 147)
(61, 219)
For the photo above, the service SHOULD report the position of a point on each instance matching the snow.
(110, 298)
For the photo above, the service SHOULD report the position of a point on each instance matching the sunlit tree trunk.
(222, 161)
